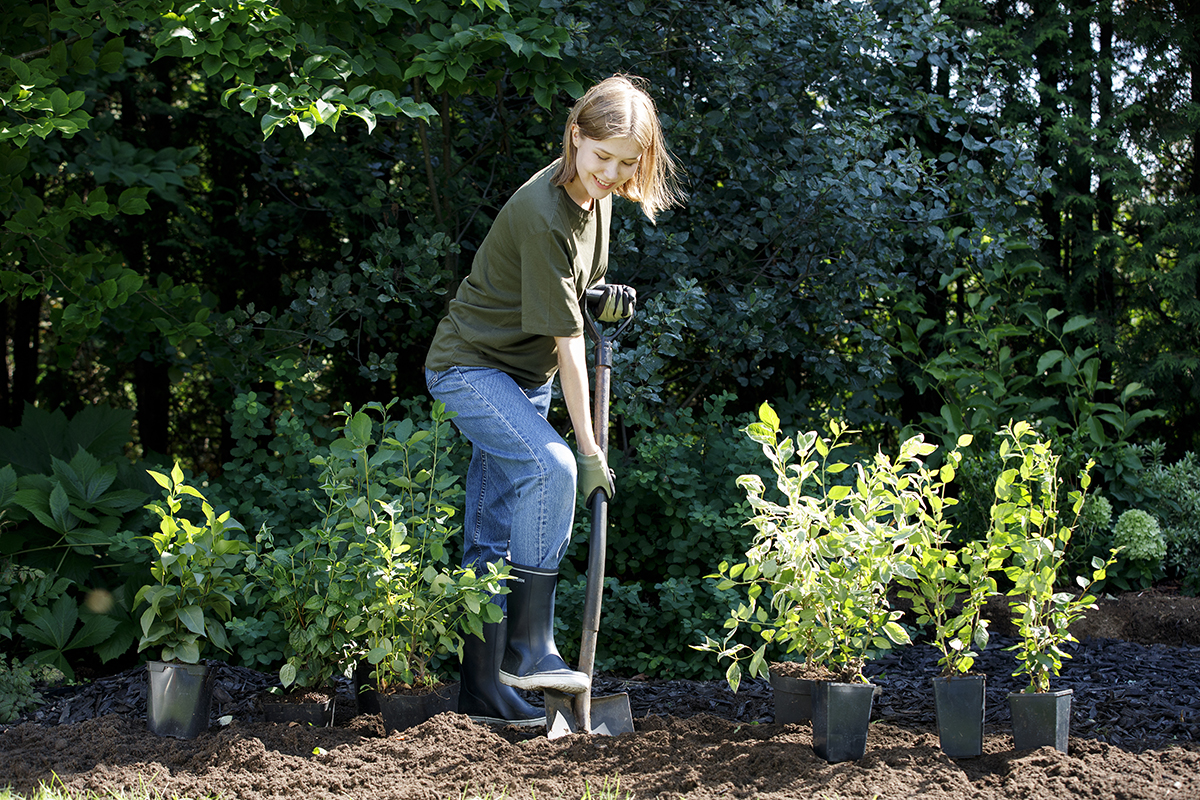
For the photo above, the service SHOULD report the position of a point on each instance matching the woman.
(513, 325)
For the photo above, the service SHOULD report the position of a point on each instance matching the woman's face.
(601, 165)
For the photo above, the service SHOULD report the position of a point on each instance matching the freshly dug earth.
(1136, 718)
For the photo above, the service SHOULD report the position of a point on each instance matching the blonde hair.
(619, 107)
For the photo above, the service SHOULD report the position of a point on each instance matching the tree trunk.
(1047, 58)
(152, 386)
(1194, 182)
(26, 339)
(1104, 299)
(1077, 207)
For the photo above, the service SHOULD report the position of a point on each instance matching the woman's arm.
(572, 372)
(594, 474)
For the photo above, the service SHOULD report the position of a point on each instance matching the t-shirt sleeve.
(549, 286)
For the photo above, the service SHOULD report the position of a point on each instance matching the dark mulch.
(1132, 695)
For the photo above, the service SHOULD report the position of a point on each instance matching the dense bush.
(648, 629)
(71, 510)
(677, 513)
(825, 208)
(1173, 496)
(678, 508)
(982, 465)
(18, 692)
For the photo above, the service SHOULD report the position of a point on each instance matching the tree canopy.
(894, 207)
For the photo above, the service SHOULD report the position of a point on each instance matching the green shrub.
(1139, 563)
(53, 629)
(1035, 531)
(1173, 496)
(195, 578)
(70, 501)
(41, 613)
(20, 588)
(70, 496)
(270, 480)
(678, 507)
(1095, 537)
(257, 638)
(648, 629)
(982, 466)
(17, 692)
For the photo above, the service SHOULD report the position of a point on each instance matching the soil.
(1134, 730)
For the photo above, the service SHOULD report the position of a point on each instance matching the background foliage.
(219, 221)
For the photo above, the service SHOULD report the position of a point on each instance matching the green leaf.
(287, 674)
(112, 55)
(188, 653)
(60, 509)
(96, 630)
(1077, 322)
(733, 676)
(839, 492)
(271, 120)
(307, 125)
(52, 626)
(896, 633)
(768, 417)
(1048, 360)
(192, 617)
(60, 104)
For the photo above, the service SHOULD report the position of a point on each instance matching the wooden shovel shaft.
(598, 545)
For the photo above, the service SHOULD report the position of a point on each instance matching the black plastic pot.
(959, 703)
(793, 699)
(1041, 719)
(319, 715)
(401, 711)
(364, 689)
(841, 717)
(179, 699)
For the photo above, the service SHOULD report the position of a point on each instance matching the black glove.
(616, 302)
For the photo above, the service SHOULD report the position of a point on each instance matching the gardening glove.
(616, 302)
(594, 475)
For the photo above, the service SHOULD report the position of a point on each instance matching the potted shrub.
(389, 488)
(315, 589)
(197, 580)
(818, 573)
(949, 587)
(1025, 521)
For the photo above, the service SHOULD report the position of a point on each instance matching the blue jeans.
(520, 493)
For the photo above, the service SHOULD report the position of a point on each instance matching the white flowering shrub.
(1096, 516)
(1140, 535)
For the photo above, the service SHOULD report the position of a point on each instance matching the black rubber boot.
(481, 695)
(531, 660)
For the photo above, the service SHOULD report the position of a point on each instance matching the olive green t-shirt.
(540, 256)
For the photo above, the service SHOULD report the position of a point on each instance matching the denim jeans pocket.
(432, 378)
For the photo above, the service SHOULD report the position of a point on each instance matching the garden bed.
(1134, 729)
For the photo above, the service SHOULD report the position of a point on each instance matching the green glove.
(617, 303)
(594, 475)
